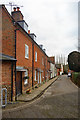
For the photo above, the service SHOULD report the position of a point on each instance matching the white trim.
(26, 51)
(35, 56)
(26, 80)
(35, 75)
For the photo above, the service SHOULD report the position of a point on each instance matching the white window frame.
(26, 51)
(35, 56)
(38, 77)
(26, 80)
(35, 75)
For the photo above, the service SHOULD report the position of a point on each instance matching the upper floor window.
(26, 51)
(36, 56)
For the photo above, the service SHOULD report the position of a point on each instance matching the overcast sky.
(55, 23)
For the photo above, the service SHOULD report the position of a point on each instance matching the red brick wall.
(39, 64)
(6, 78)
(20, 55)
(8, 42)
(8, 34)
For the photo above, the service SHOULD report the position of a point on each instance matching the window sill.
(26, 57)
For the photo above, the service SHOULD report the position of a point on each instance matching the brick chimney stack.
(17, 15)
(18, 8)
(14, 9)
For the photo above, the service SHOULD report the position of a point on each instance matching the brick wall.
(39, 64)
(6, 78)
(8, 34)
(20, 56)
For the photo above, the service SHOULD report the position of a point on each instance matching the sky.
(54, 22)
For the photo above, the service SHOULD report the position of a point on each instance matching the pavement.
(35, 93)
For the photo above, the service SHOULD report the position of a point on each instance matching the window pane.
(26, 51)
(35, 56)
(35, 75)
(26, 80)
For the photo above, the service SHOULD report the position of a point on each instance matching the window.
(35, 75)
(26, 51)
(36, 56)
(26, 80)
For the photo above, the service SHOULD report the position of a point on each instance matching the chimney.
(14, 9)
(17, 15)
(41, 46)
(44, 50)
(18, 8)
(28, 31)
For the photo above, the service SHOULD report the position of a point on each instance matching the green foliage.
(76, 78)
(74, 61)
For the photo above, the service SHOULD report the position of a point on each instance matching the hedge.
(76, 78)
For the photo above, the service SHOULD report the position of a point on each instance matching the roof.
(6, 57)
(23, 21)
(32, 39)
(22, 28)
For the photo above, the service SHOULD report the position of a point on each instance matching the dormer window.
(24, 25)
(33, 36)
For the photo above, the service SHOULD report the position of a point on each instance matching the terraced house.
(24, 62)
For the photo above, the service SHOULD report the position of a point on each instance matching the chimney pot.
(18, 8)
(14, 9)
(28, 31)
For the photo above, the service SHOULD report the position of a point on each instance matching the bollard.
(3, 89)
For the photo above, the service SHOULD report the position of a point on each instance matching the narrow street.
(59, 101)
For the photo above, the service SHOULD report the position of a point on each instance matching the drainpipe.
(12, 81)
(15, 68)
(32, 64)
(45, 67)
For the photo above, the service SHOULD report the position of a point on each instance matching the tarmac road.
(60, 100)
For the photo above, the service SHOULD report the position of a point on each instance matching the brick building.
(24, 62)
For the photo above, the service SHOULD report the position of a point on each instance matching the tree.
(74, 61)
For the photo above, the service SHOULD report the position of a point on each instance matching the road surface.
(60, 100)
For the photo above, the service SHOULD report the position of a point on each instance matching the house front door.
(19, 83)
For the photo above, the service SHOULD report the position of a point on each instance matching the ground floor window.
(26, 77)
(35, 75)
(38, 76)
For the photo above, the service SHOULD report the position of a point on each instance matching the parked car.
(69, 74)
